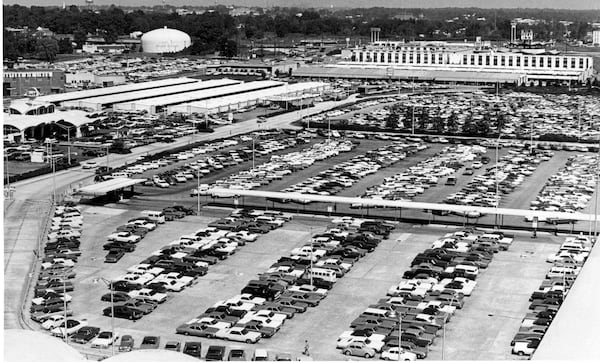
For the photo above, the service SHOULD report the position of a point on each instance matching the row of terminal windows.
(502, 60)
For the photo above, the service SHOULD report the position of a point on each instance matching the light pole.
(198, 189)
(496, 177)
(112, 310)
(398, 315)
(596, 191)
(444, 329)
(311, 257)
(68, 129)
(253, 136)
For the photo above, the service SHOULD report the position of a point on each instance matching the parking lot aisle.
(366, 283)
(524, 194)
(377, 178)
(483, 329)
(319, 166)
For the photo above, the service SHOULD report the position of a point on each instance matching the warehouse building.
(108, 100)
(17, 82)
(159, 104)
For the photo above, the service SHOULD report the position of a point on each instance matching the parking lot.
(500, 298)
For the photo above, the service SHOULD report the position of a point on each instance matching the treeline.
(216, 30)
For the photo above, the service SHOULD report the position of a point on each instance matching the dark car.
(173, 346)
(116, 297)
(85, 334)
(126, 344)
(125, 286)
(194, 349)
(150, 342)
(114, 255)
(257, 326)
(215, 353)
(124, 312)
(115, 245)
(237, 355)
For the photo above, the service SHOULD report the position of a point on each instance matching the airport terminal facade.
(536, 64)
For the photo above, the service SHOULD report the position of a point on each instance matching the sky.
(558, 4)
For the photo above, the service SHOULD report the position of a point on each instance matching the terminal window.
(565, 62)
(480, 60)
(502, 61)
(495, 60)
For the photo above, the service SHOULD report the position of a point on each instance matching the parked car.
(215, 353)
(193, 349)
(150, 342)
(105, 339)
(85, 334)
(126, 344)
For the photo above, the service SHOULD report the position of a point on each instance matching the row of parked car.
(425, 174)
(290, 286)
(50, 303)
(210, 163)
(177, 265)
(545, 302)
(437, 284)
(571, 188)
(282, 165)
(505, 177)
(126, 237)
(346, 174)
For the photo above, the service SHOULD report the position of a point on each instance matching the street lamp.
(112, 309)
(198, 188)
(496, 177)
(68, 129)
(398, 315)
(444, 328)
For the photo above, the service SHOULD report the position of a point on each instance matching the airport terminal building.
(441, 61)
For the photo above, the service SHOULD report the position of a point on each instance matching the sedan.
(73, 326)
(197, 329)
(85, 334)
(239, 334)
(105, 339)
(150, 342)
(114, 255)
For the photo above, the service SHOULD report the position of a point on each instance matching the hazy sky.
(560, 4)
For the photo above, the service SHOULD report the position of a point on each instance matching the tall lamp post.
(496, 177)
(198, 188)
(68, 129)
(398, 315)
(112, 310)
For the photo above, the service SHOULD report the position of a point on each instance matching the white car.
(53, 322)
(143, 223)
(392, 355)
(267, 322)
(162, 184)
(239, 334)
(73, 325)
(89, 164)
(334, 262)
(307, 288)
(375, 343)
(149, 293)
(235, 304)
(211, 322)
(566, 255)
(244, 235)
(145, 268)
(249, 298)
(58, 263)
(104, 339)
(124, 236)
(350, 334)
(306, 251)
(63, 233)
(137, 278)
(174, 276)
(525, 348)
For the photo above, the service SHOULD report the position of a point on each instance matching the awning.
(104, 187)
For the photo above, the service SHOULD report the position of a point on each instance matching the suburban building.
(18, 81)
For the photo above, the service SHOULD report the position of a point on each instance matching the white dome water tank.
(165, 41)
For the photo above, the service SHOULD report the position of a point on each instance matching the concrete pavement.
(32, 200)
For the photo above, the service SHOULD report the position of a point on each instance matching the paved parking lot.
(502, 290)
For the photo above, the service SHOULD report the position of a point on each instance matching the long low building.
(247, 99)
(89, 93)
(349, 71)
(158, 104)
(107, 101)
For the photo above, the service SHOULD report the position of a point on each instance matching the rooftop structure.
(104, 101)
(63, 97)
(157, 104)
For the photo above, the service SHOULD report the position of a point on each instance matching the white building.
(536, 64)
(596, 37)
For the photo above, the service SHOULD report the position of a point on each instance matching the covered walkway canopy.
(542, 215)
(104, 187)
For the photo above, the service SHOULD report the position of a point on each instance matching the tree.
(228, 48)
(65, 46)
(46, 49)
(391, 121)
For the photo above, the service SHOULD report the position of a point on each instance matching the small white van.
(325, 274)
(156, 216)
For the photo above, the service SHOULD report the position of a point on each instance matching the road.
(23, 215)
